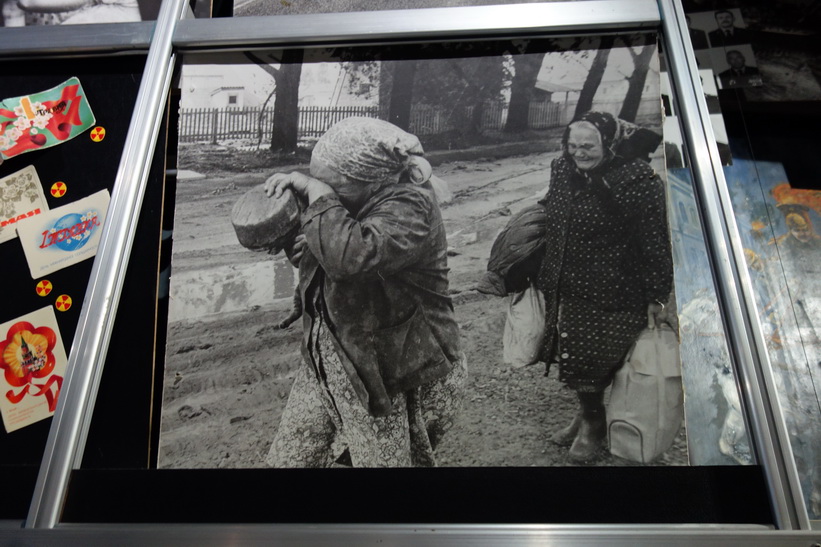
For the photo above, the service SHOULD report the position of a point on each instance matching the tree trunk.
(594, 77)
(521, 91)
(261, 118)
(635, 89)
(386, 72)
(399, 112)
(286, 104)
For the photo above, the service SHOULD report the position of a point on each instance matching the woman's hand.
(295, 251)
(308, 188)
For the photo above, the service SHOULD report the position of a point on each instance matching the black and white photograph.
(735, 67)
(786, 49)
(717, 28)
(722, 42)
(23, 13)
(453, 255)
(297, 7)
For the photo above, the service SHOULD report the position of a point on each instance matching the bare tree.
(636, 80)
(403, 76)
(526, 67)
(285, 134)
(594, 76)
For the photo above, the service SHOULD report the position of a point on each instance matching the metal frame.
(76, 40)
(740, 315)
(69, 428)
(70, 425)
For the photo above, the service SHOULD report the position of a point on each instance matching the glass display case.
(172, 420)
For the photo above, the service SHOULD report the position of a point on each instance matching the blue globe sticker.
(71, 232)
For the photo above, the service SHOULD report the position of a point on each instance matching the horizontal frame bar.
(481, 21)
(412, 536)
(59, 40)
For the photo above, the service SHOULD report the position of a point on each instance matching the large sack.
(524, 329)
(517, 253)
(646, 407)
(261, 222)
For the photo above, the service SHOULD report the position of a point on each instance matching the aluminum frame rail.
(735, 290)
(480, 535)
(588, 16)
(75, 40)
(69, 429)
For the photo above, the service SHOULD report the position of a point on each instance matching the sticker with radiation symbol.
(98, 133)
(59, 189)
(63, 302)
(44, 287)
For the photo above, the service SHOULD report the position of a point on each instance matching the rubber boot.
(566, 435)
(592, 429)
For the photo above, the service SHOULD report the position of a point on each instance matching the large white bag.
(524, 328)
(646, 407)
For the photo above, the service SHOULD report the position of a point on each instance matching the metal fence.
(216, 125)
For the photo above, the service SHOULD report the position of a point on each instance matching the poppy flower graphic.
(25, 356)
(61, 116)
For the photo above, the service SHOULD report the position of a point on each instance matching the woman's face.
(585, 146)
(352, 194)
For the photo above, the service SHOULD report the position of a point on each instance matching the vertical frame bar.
(734, 287)
(67, 436)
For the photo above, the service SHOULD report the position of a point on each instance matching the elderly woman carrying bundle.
(598, 248)
(382, 370)
(607, 267)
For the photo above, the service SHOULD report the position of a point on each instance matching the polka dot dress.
(607, 257)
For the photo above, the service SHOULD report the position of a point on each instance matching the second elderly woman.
(382, 370)
(607, 268)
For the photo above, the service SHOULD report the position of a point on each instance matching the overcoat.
(381, 278)
(607, 257)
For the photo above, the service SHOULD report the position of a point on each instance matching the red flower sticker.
(25, 356)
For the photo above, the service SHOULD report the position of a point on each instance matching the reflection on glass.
(778, 229)
(715, 424)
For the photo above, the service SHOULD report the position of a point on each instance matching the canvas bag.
(646, 407)
(524, 328)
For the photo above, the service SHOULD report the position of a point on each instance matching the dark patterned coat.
(607, 257)
(382, 276)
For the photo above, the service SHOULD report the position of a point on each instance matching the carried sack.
(646, 406)
(524, 329)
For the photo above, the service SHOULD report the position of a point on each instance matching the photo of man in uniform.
(739, 74)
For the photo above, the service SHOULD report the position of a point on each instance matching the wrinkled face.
(352, 194)
(584, 145)
(725, 20)
(736, 59)
(802, 233)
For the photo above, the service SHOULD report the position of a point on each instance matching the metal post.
(734, 288)
(66, 441)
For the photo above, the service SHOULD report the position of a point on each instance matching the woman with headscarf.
(607, 268)
(383, 371)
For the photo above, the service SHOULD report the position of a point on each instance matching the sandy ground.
(228, 374)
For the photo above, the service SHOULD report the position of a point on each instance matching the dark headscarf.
(607, 126)
(604, 122)
(619, 137)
